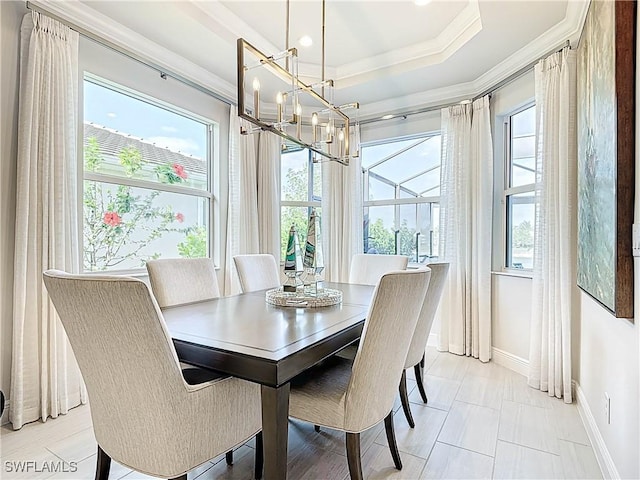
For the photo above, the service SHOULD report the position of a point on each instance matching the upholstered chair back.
(177, 281)
(383, 348)
(257, 272)
(144, 414)
(439, 273)
(366, 269)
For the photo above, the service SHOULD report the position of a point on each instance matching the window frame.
(509, 191)
(397, 201)
(312, 200)
(212, 160)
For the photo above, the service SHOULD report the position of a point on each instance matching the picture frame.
(606, 154)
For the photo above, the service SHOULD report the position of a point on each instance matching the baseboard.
(433, 340)
(5, 415)
(510, 361)
(603, 456)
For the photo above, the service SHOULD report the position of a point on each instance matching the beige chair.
(257, 272)
(415, 357)
(355, 396)
(177, 281)
(145, 416)
(366, 269)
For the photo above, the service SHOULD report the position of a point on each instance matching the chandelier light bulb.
(314, 126)
(279, 100)
(298, 119)
(329, 130)
(256, 98)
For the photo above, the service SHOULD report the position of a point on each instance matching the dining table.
(246, 337)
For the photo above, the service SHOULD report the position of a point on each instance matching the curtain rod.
(505, 81)
(116, 48)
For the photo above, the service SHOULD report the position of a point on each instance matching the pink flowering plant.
(119, 225)
(171, 173)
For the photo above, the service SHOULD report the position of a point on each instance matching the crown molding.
(459, 31)
(407, 103)
(221, 19)
(231, 27)
(84, 17)
(568, 29)
(462, 28)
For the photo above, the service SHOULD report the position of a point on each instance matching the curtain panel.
(555, 294)
(253, 214)
(465, 229)
(341, 217)
(45, 379)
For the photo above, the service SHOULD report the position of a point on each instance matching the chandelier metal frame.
(335, 144)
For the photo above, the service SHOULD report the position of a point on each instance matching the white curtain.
(253, 215)
(269, 194)
(465, 229)
(554, 262)
(341, 216)
(45, 380)
(242, 212)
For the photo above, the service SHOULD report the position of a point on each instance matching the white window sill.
(514, 273)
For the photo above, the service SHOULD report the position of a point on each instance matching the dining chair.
(177, 281)
(257, 272)
(366, 269)
(145, 415)
(355, 396)
(415, 357)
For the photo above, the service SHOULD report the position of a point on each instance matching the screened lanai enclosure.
(401, 190)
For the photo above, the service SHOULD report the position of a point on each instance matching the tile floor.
(482, 421)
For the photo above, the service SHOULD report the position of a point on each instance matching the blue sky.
(153, 124)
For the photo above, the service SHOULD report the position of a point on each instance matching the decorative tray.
(324, 298)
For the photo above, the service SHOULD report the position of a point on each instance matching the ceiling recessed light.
(421, 3)
(387, 116)
(305, 41)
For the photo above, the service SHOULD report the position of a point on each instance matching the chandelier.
(272, 97)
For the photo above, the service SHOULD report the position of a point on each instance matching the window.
(301, 189)
(401, 197)
(147, 183)
(519, 192)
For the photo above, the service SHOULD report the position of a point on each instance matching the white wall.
(511, 315)
(609, 363)
(11, 14)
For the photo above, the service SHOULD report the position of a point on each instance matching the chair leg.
(259, 456)
(404, 398)
(103, 464)
(353, 456)
(316, 428)
(419, 371)
(391, 438)
(229, 457)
